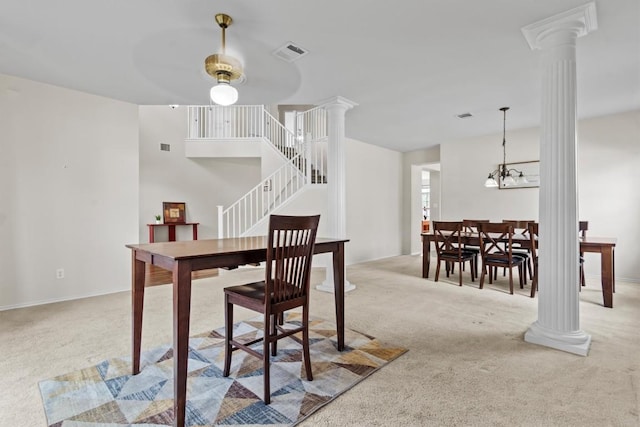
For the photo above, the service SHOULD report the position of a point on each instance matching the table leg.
(338, 283)
(426, 256)
(137, 303)
(607, 278)
(613, 268)
(195, 231)
(172, 233)
(151, 233)
(181, 312)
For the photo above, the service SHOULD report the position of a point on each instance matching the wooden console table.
(172, 230)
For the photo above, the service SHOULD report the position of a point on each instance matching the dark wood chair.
(496, 249)
(521, 247)
(449, 248)
(583, 226)
(286, 286)
(533, 236)
(470, 227)
(533, 239)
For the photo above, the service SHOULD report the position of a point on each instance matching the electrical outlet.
(60, 273)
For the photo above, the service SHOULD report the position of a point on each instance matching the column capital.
(338, 101)
(578, 21)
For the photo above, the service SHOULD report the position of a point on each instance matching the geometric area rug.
(108, 395)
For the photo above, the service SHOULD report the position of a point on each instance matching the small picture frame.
(174, 212)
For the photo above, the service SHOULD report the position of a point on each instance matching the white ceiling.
(412, 66)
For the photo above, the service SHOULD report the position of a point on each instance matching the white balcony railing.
(312, 124)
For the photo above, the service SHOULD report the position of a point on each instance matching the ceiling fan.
(224, 68)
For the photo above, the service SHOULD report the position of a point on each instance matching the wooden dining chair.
(496, 249)
(533, 239)
(470, 227)
(583, 226)
(449, 248)
(521, 245)
(286, 286)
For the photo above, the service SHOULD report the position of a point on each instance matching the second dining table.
(605, 246)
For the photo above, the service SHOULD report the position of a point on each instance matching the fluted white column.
(336, 180)
(558, 324)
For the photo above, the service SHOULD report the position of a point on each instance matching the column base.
(577, 342)
(327, 286)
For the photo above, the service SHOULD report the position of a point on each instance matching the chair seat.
(471, 249)
(254, 292)
(454, 256)
(503, 261)
(251, 290)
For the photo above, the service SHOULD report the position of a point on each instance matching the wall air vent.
(290, 52)
(464, 115)
(165, 147)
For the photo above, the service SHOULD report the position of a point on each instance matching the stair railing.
(262, 199)
(305, 154)
(312, 125)
(281, 137)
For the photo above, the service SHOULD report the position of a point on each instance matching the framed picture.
(174, 212)
(529, 170)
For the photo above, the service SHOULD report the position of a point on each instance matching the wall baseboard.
(55, 300)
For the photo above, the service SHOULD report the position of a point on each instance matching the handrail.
(262, 199)
(312, 124)
(281, 137)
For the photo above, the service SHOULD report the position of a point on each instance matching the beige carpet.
(467, 363)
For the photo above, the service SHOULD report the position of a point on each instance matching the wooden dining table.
(605, 246)
(184, 257)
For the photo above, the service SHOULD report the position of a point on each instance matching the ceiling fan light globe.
(224, 94)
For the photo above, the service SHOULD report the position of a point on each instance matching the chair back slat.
(519, 225)
(471, 225)
(448, 237)
(583, 226)
(289, 255)
(533, 237)
(493, 237)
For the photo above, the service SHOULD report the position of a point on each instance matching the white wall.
(374, 199)
(202, 183)
(608, 173)
(608, 179)
(411, 187)
(374, 184)
(465, 165)
(312, 200)
(69, 173)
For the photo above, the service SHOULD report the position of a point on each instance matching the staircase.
(303, 155)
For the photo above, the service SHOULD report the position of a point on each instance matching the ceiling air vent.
(290, 52)
(464, 115)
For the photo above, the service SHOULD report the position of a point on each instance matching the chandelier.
(507, 177)
(224, 69)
